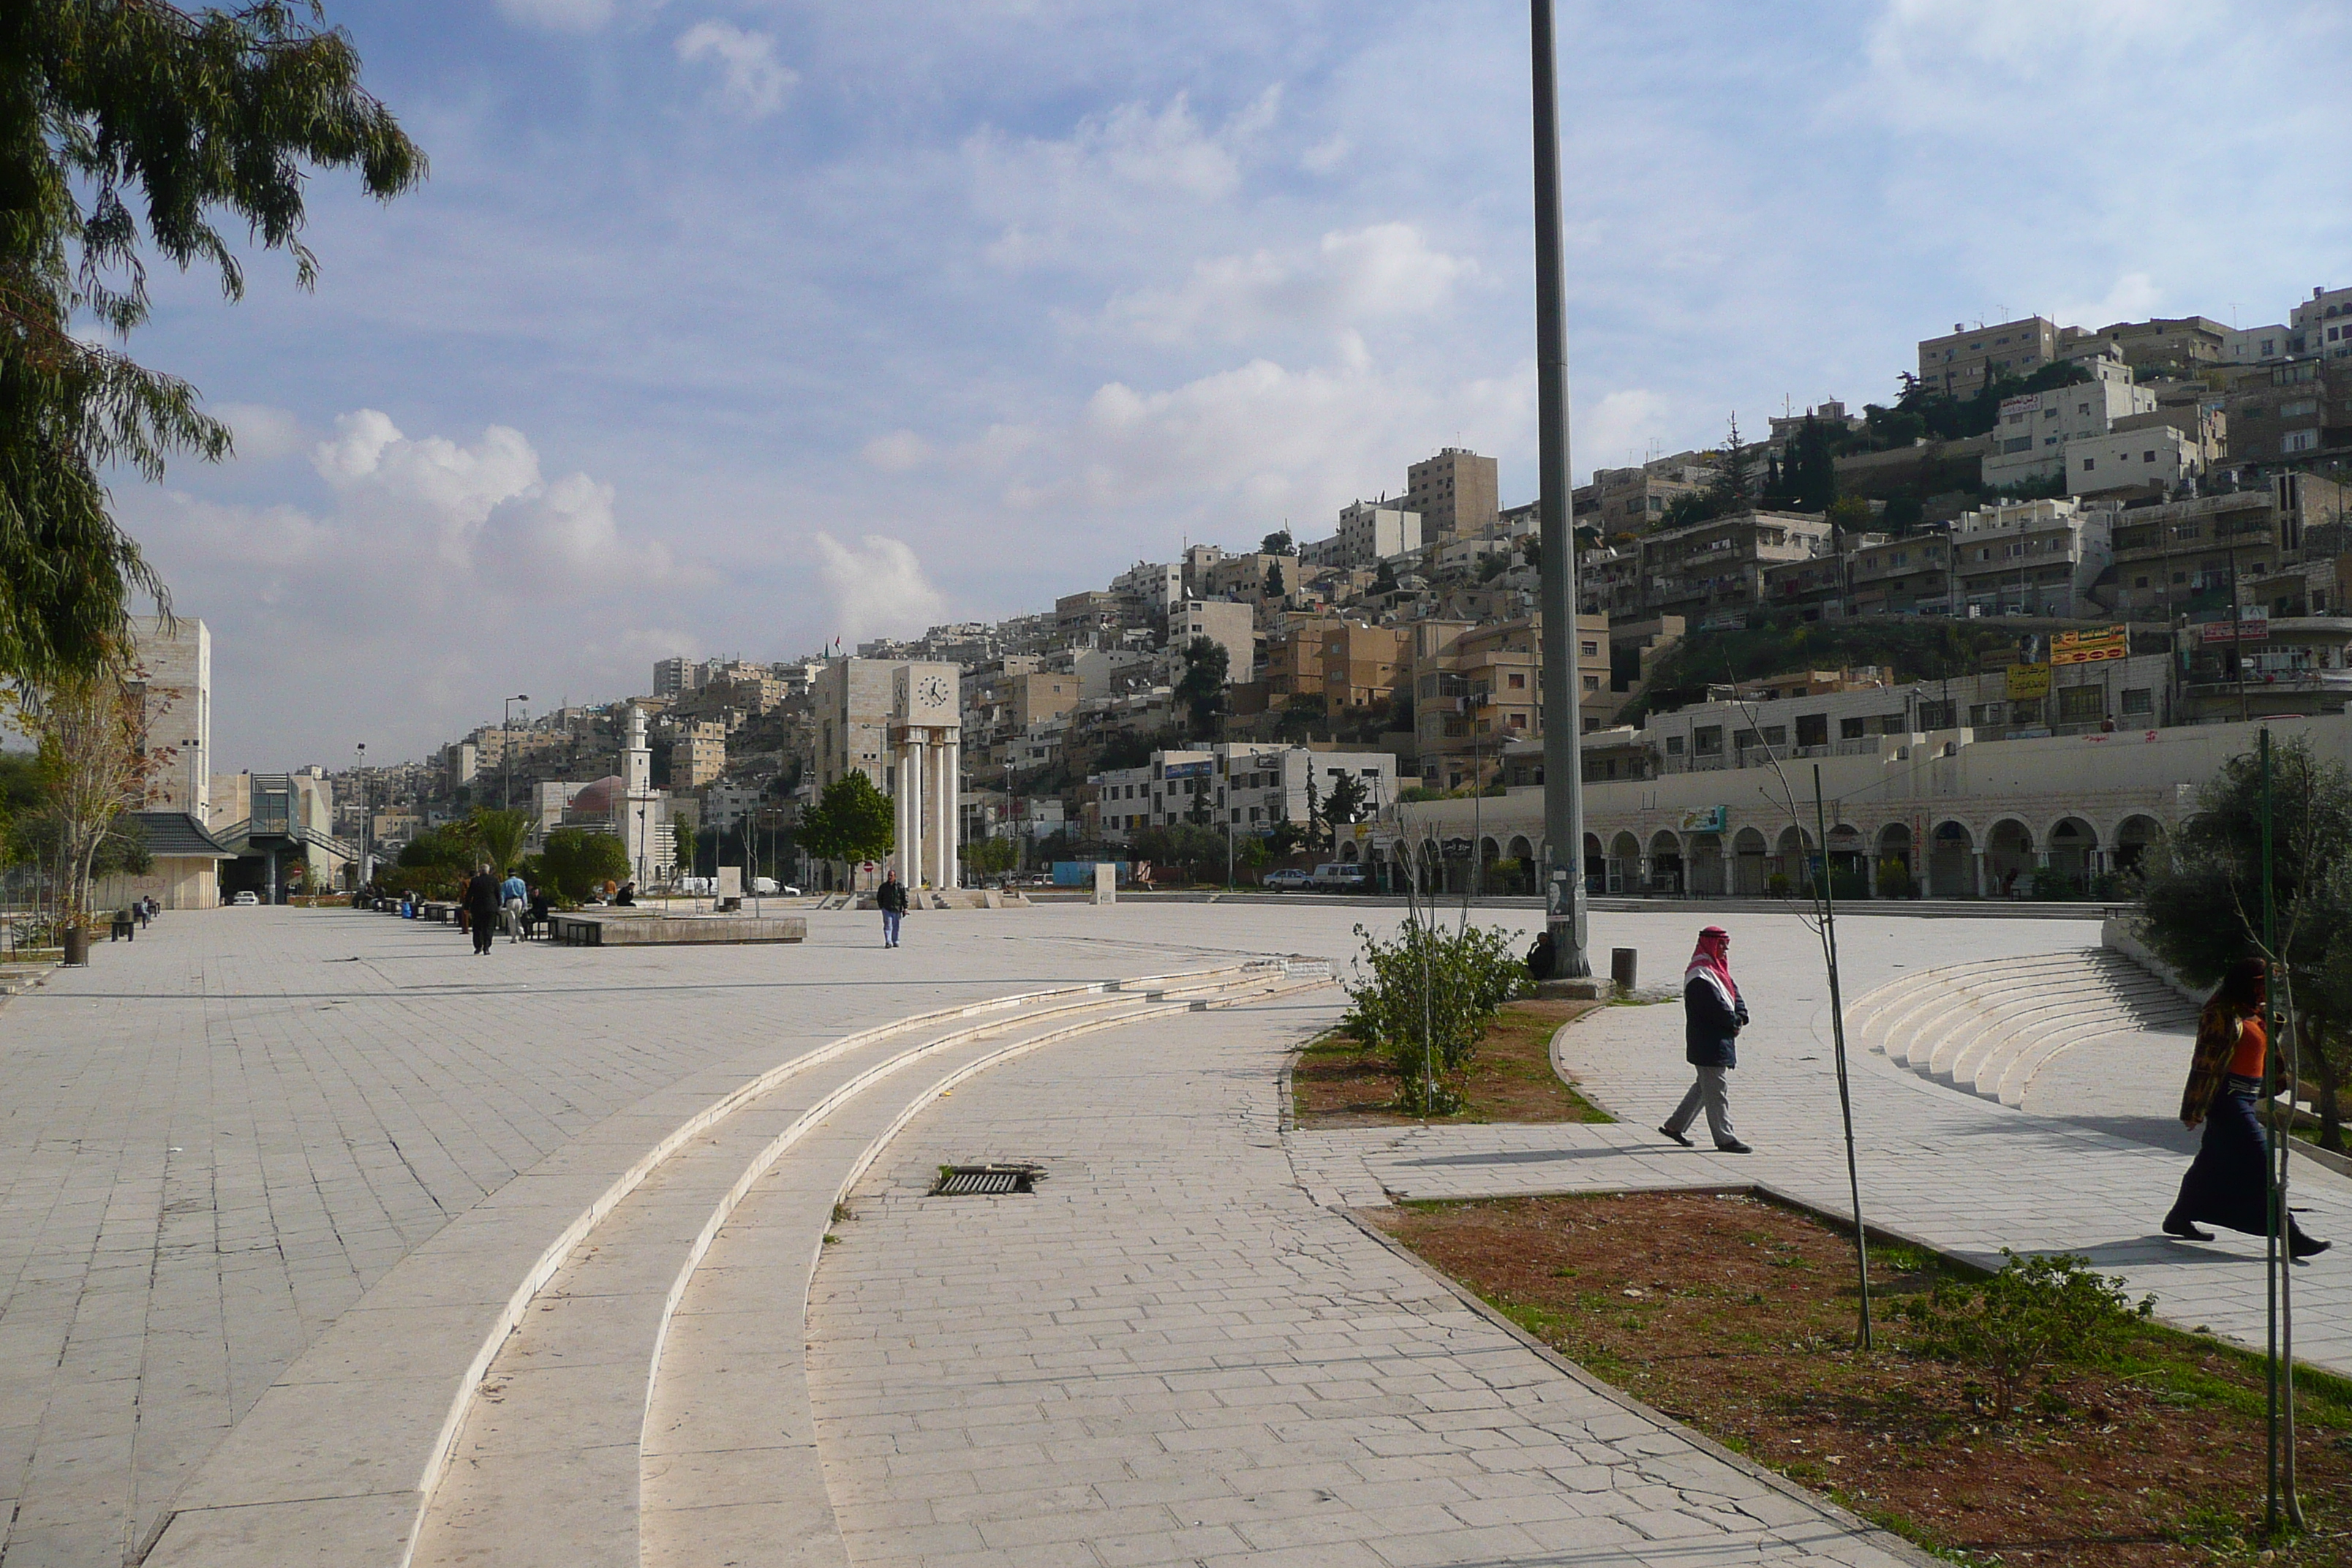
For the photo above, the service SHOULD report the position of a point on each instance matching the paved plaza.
(322, 1240)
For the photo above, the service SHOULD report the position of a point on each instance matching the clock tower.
(925, 773)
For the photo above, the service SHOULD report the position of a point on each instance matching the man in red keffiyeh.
(1713, 1015)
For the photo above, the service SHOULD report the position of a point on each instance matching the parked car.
(1287, 880)
(1339, 877)
(242, 900)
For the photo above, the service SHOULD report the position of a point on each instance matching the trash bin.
(124, 929)
(1622, 961)
(77, 946)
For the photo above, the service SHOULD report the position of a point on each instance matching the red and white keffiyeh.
(1712, 962)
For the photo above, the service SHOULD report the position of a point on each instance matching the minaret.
(639, 807)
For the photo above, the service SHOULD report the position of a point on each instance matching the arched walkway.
(1704, 870)
(1625, 864)
(1665, 862)
(2135, 836)
(1895, 868)
(1952, 863)
(2075, 852)
(2009, 859)
(1748, 861)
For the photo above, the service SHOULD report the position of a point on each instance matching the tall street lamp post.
(365, 816)
(1564, 900)
(506, 751)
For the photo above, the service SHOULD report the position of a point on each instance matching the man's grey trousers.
(1712, 1090)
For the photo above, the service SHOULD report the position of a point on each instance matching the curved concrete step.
(1988, 1027)
(411, 1352)
(556, 1433)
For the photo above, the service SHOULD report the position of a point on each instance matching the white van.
(1340, 876)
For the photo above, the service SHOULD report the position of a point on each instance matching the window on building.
(2138, 700)
(1812, 729)
(1673, 746)
(1936, 715)
(1519, 681)
(2081, 704)
(1708, 742)
(1849, 729)
(2090, 463)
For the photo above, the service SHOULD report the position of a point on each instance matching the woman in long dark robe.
(2228, 1184)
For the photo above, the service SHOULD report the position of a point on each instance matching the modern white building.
(2156, 455)
(1157, 585)
(173, 670)
(1232, 625)
(2030, 558)
(2031, 435)
(2322, 324)
(1369, 533)
(1247, 788)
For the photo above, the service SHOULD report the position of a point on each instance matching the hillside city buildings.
(2142, 526)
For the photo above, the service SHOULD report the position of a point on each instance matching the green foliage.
(499, 835)
(1201, 692)
(1895, 880)
(111, 113)
(578, 862)
(123, 849)
(2052, 886)
(2200, 905)
(852, 821)
(1275, 587)
(1345, 804)
(992, 856)
(1806, 479)
(1920, 651)
(1733, 487)
(1278, 543)
(1184, 845)
(1425, 999)
(2035, 1311)
(448, 846)
(682, 839)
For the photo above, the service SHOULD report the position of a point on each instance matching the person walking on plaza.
(890, 898)
(482, 908)
(1713, 1015)
(512, 896)
(2228, 1183)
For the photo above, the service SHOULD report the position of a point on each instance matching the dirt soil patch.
(1736, 1316)
(1336, 1082)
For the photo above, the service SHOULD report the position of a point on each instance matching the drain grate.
(968, 1180)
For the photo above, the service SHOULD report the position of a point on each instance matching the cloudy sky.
(725, 326)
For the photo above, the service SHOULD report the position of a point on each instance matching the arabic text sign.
(2090, 647)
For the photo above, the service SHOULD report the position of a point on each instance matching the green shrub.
(2034, 1311)
(2051, 885)
(1425, 999)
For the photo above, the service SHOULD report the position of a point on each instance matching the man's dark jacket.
(891, 896)
(1710, 1029)
(482, 896)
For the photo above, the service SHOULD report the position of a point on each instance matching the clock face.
(932, 691)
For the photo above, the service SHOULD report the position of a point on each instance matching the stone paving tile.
(1341, 1407)
(1937, 1164)
(217, 1141)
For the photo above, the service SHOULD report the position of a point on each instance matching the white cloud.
(559, 16)
(877, 590)
(1616, 431)
(1327, 154)
(1352, 276)
(2134, 297)
(1117, 171)
(264, 434)
(753, 81)
(897, 451)
(439, 574)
